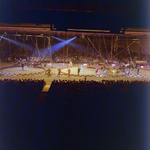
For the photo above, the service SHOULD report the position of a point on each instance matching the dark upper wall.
(78, 14)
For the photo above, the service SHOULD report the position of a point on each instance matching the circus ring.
(90, 72)
(85, 71)
(18, 71)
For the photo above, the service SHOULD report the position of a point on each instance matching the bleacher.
(74, 115)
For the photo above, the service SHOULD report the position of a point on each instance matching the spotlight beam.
(58, 39)
(72, 44)
(17, 43)
(1, 37)
(58, 46)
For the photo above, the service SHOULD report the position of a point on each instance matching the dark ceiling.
(87, 14)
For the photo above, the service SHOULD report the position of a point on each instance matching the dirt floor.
(89, 71)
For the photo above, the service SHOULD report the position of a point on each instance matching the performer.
(59, 71)
(44, 64)
(89, 63)
(113, 72)
(78, 71)
(96, 71)
(128, 73)
(22, 66)
(70, 63)
(81, 67)
(104, 66)
(69, 71)
(49, 72)
(138, 70)
(105, 72)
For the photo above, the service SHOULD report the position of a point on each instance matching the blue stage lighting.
(18, 43)
(73, 44)
(62, 39)
(57, 46)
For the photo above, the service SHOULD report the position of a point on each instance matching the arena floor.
(15, 72)
(18, 70)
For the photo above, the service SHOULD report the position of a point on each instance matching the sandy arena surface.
(19, 70)
(37, 73)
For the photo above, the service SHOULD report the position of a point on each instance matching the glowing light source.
(82, 36)
(84, 64)
(113, 65)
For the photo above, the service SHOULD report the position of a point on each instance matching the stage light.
(62, 39)
(18, 35)
(113, 65)
(84, 64)
(82, 36)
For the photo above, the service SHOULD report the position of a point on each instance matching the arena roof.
(30, 28)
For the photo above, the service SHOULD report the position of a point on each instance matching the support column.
(140, 53)
(111, 45)
(9, 49)
(49, 47)
(67, 50)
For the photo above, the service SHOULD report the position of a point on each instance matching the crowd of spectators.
(88, 56)
(18, 112)
(21, 87)
(95, 115)
(79, 59)
(99, 115)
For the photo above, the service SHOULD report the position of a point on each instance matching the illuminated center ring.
(85, 71)
(19, 71)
